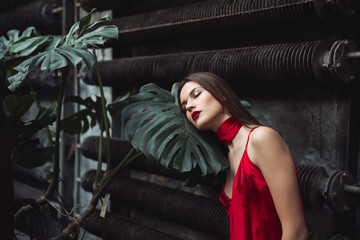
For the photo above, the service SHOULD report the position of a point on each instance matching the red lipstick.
(195, 115)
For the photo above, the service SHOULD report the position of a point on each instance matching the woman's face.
(201, 108)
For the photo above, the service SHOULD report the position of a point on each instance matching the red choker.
(228, 130)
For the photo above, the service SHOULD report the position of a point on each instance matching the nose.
(189, 106)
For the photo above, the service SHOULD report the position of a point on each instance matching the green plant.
(55, 52)
(49, 53)
(26, 151)
(155, 125)
(12, 37)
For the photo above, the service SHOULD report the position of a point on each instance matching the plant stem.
(108, 178)
(103, 106)
(105, 181)
(99, 163)
(56, 168)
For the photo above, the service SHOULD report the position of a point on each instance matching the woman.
(261, 193)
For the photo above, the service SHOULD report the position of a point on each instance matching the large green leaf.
(13, 36)
(118, 105)
(27, 46)
(19, 105)
(45, 117)
(24, 68)
(155, 125)
(27, 151)
(98, 36)
(53, 60)
(80, 121)
(55, 52)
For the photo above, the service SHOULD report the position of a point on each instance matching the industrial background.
(295, 61)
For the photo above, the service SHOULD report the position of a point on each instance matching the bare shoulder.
(263, 134)
(265, 143)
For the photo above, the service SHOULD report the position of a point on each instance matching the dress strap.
(249, 136)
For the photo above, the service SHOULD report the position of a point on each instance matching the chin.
(201, 127)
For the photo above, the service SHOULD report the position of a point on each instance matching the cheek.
(188, 116)
(217, 107)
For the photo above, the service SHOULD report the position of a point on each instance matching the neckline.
(228, 130)
(240, 163)
(236, 175)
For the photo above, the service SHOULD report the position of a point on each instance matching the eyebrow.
(191, 92)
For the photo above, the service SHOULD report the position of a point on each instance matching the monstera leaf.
(12, 37)
(56, 52)
(155, 125)
(26, 148)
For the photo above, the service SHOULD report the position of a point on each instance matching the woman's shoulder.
(265, 137)
(266, 142)
(263, 133)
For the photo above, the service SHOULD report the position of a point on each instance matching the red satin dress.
(251, 209)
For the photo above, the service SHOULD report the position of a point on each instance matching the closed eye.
(197, 94)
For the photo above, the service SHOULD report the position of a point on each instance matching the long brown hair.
(222, 92)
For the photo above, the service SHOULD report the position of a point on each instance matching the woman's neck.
(227, 131)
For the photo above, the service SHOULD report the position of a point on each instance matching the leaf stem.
(56, 168)
(103, 106)
(105, 181)
(99, 163)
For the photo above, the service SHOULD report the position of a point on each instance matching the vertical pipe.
(61, 152)
(77, 159)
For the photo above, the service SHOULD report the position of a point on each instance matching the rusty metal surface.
(312, 180)
(318, 188)
(311, 118)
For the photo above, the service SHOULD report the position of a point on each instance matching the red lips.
(195, 115)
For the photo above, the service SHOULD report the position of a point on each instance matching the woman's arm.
(269, 152)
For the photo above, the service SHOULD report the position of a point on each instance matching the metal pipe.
(123, 6)
(118, 227)
(352, 189)
(218, 16)
(317, 187)
(293, 62)
(322, 61)
(106, 4)
(353, 55)
(119, 148)
(202, 213)
(211, 16)
(312, 182)
(38, 13)
(7, 4)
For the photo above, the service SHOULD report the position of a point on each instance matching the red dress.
(251, 209)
